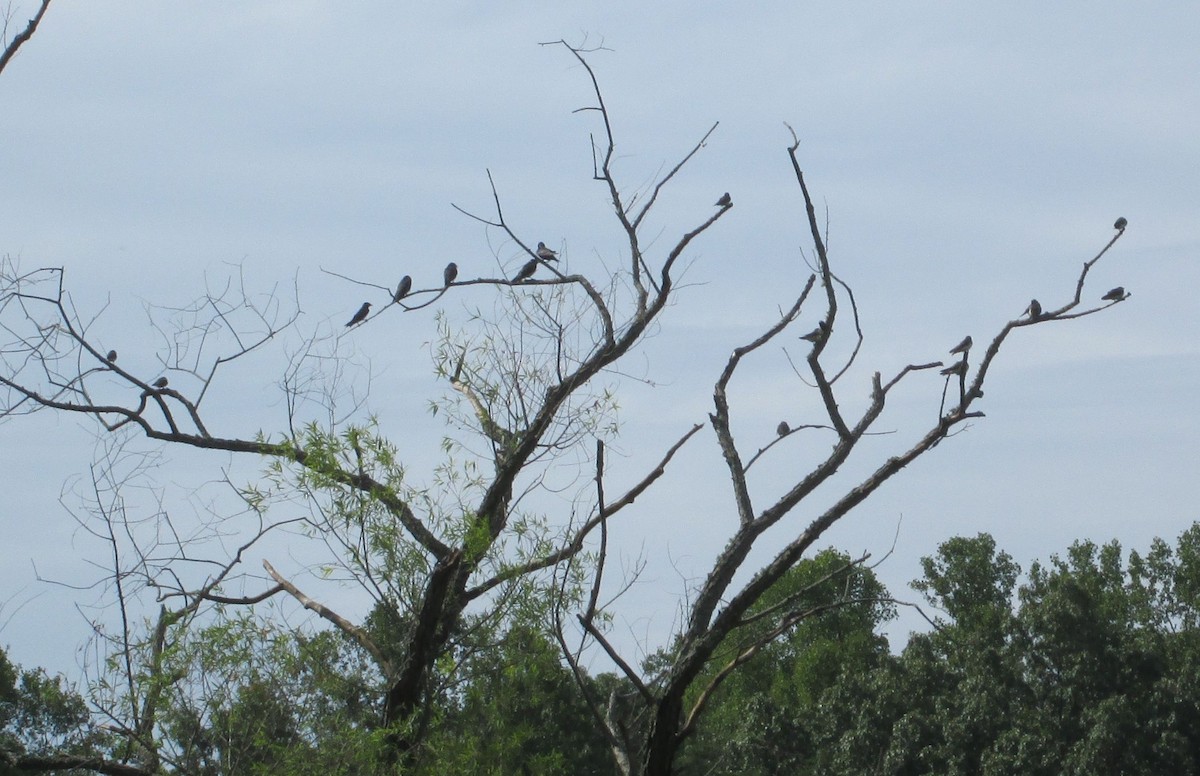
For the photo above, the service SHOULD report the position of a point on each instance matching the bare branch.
(13, 45)
(341, 623)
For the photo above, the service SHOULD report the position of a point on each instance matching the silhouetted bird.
(963, 346)
(112, 356)
(956, 369)
(725, 200)
(361, 315)
(526, 271)
(783, 428)
(817, 333)
(1121, 224)
(1115, 295)
(451, 273)
(403, 288)
(1034, 310)
(545, 254)
(160, 383)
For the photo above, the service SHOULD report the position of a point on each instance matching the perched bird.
(959, 368)
(526, 271)
(1115, 295)
(725, 200)
(112, 356)
(451, 273)
(160, 382)
(783, 428)
(1034, 310)
(545, 254)
(403, 288)
(963, 346)
(817, 333)
(361, 315)
(1121, 224)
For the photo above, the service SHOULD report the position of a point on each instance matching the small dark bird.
(112, 356)
(526, 271)
(817, 333)
(1034, 310)
(545, 254)
(160, 382)
(361, 315)
(783, 428)
(963, 346)
(959, 368)
(403, 288)
(1121, 224)
(451, 273)
(1116, 295)
(725, 200)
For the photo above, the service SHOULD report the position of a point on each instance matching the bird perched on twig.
(361, 315)
(1034, 310)
(526, 271)
(1115, 295)
(160, 383)
(963, 346)
(402, 288)
(783, 428)
(112, 356)
(450, 273)
(959, 368)
(725, 200)
(545, 254)
(1121, 223)
(816, 334)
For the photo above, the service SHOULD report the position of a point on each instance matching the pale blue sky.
(970, 158)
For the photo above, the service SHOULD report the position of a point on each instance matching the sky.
(965, 158)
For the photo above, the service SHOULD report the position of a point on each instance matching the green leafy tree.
(1094, 673)
(43, 720)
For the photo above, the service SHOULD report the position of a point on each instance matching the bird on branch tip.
(361, 315)
(450, 273)
(1121, 223)
(545, 254)
(1034, 310)
(963, 346)
(526, 271)
(1115, 295)
(956, 369)
(160, 382)
(403, 288)
(112, 356)
(783, 428)
(725, 200)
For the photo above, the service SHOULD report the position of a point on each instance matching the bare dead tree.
(720, 612)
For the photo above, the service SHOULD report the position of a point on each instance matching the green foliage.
(42, 715)
(759, 721)
(515, 709)
(1094, 673)
(263, 700)
(1089, 665)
